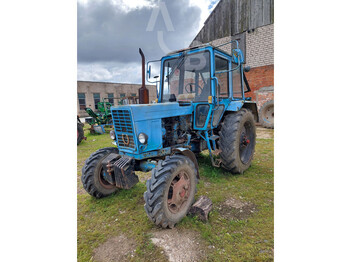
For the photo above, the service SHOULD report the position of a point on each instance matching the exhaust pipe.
(143, 91)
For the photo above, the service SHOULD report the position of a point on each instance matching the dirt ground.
(118, 248)
(179, 245)
(264, 133)
(235, 209)
(176, 244)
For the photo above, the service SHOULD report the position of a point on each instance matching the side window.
(236, 82)
(96, 99)
(221, 64)
(82, 101)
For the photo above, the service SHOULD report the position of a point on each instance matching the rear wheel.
(171, 190)
(237, 141)
(80, 132)
(93, 174)
(267, 114)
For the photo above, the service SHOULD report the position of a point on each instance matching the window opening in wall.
(110, 98)
(97, 99)
(82, 101)
(122, 95)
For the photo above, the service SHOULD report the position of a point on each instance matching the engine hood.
(157, 111)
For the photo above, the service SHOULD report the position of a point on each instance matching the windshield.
(186, 78)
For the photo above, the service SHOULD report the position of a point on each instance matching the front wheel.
(93, 174)
(171, 190)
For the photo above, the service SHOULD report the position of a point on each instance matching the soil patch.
(81, 190)
(118, 248)
(179, 245)
(235, 209)
(264, 133)
(143, 176)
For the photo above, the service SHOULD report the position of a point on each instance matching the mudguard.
(188, 153)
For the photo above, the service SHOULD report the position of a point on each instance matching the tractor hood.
(158, 111)
(131, 120)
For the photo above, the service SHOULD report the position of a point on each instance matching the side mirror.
(149, 71)
(247, 69)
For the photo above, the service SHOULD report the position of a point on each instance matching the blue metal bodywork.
(131, 120)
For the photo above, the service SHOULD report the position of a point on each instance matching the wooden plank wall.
(231, 17)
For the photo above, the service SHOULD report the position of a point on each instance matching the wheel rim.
(179, 192)
(269, 114)
(246, 145)
(104, 183)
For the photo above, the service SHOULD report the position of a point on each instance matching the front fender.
(188, 153)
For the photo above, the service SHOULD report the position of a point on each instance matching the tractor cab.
(206, 78)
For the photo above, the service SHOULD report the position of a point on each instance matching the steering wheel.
(190, 84)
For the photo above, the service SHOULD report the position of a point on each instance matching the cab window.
(222, 64)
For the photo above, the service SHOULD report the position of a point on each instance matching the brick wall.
(259, 46)
(264, 95)
(261, 79)
(88, 88)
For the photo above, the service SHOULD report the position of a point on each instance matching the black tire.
(266, 114)
(237, 141)
(92, 177)
(159, 207)
(80, 133)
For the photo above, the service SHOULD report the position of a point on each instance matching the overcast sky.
(111, 31)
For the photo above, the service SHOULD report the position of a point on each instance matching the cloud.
(111, 31)
(107, 33)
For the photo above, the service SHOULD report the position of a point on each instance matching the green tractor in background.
(97, 121)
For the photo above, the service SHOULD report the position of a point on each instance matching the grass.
(249, 239)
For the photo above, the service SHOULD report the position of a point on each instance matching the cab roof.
(197, 47)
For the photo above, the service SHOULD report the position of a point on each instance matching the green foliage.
(224, 239)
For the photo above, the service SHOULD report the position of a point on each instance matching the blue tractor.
(201, 105)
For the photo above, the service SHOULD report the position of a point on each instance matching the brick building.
(250, 22)
(90, 93)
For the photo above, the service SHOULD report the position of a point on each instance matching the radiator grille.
(123, 127)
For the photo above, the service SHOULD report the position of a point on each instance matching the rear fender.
(250, 105)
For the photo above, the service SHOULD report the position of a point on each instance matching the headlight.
(143, 138)
(112, 134)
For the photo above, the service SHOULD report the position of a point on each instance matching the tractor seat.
(186, 97)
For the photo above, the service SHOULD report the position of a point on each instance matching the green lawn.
(236, 238)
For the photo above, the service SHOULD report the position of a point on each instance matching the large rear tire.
(92, 174)
(80, 132)
(171, 190)
(237, 141)
(266, 114)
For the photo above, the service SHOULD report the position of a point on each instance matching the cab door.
(208, 115)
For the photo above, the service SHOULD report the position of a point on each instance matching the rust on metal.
(217, 151)
(126, 143)
(179, 192)
(143, 91)
(109, 168)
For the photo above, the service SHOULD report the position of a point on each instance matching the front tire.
(92, 174)
(171, 190)
(237, 141)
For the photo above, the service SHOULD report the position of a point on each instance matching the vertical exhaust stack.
(143, 91)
